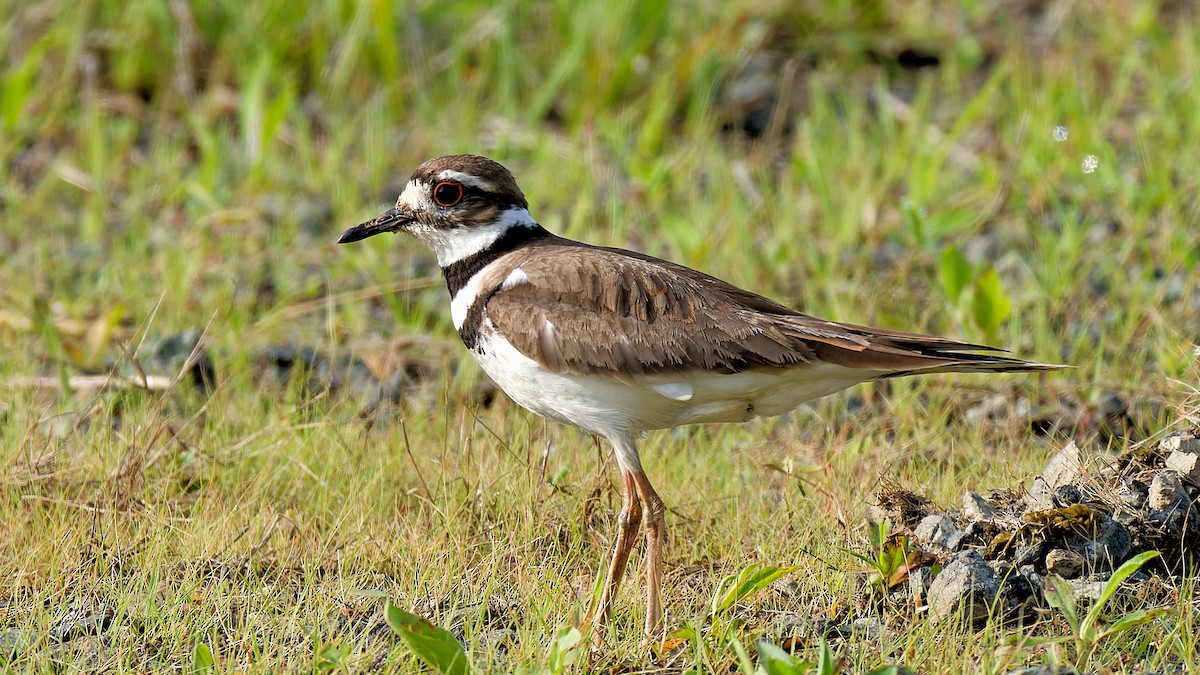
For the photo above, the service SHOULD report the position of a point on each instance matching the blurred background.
(1012, 170)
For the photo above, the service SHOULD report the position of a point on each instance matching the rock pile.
(1079, 520)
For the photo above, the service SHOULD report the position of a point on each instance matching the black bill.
(388, 221)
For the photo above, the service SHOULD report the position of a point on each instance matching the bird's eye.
(447, 193)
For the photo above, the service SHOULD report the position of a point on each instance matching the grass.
(173, 165)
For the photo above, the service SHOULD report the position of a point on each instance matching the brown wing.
(585, 309)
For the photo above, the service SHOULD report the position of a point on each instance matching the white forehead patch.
(466, 179)
(415, 197)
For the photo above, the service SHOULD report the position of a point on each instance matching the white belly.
(607, 406)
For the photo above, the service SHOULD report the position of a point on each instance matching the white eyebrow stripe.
(466, 179)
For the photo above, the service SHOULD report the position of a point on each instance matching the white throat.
(459, 243)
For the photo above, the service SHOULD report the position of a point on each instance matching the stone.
(977, 509)
(870, 628)
(1180, 442)
(966, 585)
(13, 643)
(1186, 464)
(918, 584)
(1064, 563)
(1110, 544)
(1065, 467)
(1166, 492)
(1037, 583)
(1089, 589)
(1040, 497)
(939, 530)
(1044, 669)
(1066, 495)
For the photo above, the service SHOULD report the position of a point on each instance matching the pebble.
(1066, 495)
(919, 581)
(1166, 492)
(966, 584)
(1186, 464)
(977, 509)
(939, 530)
(1180, 442)
(1064, 563)
(1065, 467)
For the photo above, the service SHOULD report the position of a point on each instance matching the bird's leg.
(628, 523)
(656, 534)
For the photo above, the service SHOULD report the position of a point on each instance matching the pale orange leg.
(656, 534)
(628, 523)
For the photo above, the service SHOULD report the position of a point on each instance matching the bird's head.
(458, 205)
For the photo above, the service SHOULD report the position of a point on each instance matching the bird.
(619, 343)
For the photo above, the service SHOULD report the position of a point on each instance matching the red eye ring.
(447, 193)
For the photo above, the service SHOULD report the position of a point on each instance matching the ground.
(1022, 173)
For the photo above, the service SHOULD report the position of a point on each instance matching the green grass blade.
(751, 581)
(435, 646)
(1087, 630)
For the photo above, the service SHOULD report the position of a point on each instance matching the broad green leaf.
(564, 649)
(1134, 619)
(954, 271)
(891, 670)
(743, 658)
(435, 646)
(1062, 598)
(202, 658)
(827, 664)
(774, 661)
(990, 304)
(1087, 629)
(748, 582)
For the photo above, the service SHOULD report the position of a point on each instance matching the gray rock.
(978, 510)
(13, 642)
(1166, 492)
(1044, 670)
(1088, 588)
(1064, 563)
(1180, 442)
(1109, 546)
(1029, 555)
(918, 583)
(939, 530)
(1186, 464)
(1066, 495)
(1037, 584)
(1065, 467)
(1040, 497)
(967, 584)
(869, 628)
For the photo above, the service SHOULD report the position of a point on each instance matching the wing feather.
(590, 310)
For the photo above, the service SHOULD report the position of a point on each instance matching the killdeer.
(618, 343)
